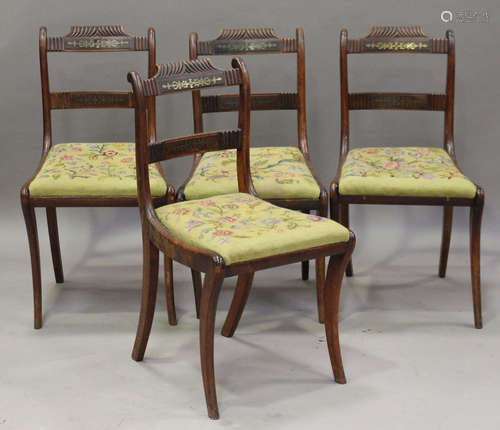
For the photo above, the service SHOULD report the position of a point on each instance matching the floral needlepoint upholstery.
(92, 169)
(240, 227)
(277, 172)
(406, 171)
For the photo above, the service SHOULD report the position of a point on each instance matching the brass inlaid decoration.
(76, 44)
(186, 82)
(233, 46)
(398, 46)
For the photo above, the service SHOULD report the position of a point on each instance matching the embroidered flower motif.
(275, 171)
(70, 161)
(110, 153)
(315, 218)
(410, 162)
(222, 233)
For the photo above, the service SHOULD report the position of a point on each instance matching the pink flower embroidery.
(207, 203)
(76, 148)
(227, 219)
(371, 150)
(67, 157)
(126, 160)
(391, 165)
(222, 233)
(314, 218)
(423, 152)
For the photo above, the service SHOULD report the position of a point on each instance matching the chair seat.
(240, 227)
(404, 171)
(277, 172)
(92, 169)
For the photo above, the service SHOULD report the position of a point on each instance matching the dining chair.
(235, 233)
(283, 175)
(86, 174)
(406, 175)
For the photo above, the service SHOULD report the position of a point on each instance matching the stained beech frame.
(156, 237)
(80, 39)
(413, 40)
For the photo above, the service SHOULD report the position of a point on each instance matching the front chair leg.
(54, 244)
(30, 220)
(169, 290)
(196, 276)
(344, 220)
(333, 285)
(445, 240)
(148, 301)
(238, 303)
(209, 296)
(476, 213)
(320, 287)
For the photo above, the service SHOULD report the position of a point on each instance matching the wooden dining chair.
(86, 174)
(283, 175)
(229, 234)
(406, 175)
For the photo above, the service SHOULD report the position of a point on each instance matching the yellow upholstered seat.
(92, 169)
(240, 227)
(277, 172)
(405, 171)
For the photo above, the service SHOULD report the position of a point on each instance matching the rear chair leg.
(196, 276)
(30, 220)
(344, 220)
(148, 301)
(445, 240)
(210, 294)
(240, 298)
(54, 244)
(305, 264)
(169, 290)
(476, 213)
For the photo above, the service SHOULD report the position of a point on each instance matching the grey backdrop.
(384, 233)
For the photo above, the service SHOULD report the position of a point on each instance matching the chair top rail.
(247, 41)
(397, 39)
(101, 38)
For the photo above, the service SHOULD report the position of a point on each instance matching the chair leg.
(344, 220)
(169, 290)
(305, 270)
(196, 276)
(30, 220)
(238, 304)
(445, 240)
(333, 285)
(320, 287)
(54, 244)
(148, 301)
(305, 264)
(476, 213)
(209, 296)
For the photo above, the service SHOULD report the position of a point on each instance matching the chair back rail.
(253, 41)
(397, 40)
(185, 76)
(91, 39)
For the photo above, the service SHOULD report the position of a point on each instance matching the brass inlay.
(189, 83)
(94, 43)
(397, 46)
(221, 47)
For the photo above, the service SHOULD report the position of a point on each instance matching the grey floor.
(412, 358)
